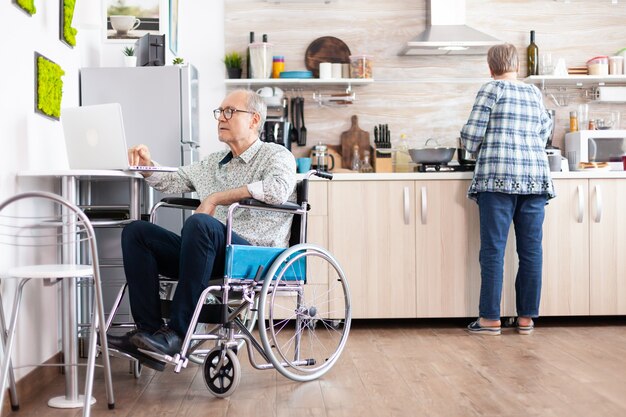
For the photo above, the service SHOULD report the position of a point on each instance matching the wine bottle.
(533, 56)
(248, 66)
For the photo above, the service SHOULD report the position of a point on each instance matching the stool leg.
(15, 404)
(8, 346)
(98, 324)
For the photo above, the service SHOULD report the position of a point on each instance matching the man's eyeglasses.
(228, 112)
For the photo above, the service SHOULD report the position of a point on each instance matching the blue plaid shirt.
(508, 128)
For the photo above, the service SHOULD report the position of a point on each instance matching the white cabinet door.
(372, 235)
(608, 246)
(565, 277)
(447, 247)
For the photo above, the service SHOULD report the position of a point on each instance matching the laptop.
(95, 139)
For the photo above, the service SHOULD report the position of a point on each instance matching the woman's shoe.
(526, 329)
(476, 328)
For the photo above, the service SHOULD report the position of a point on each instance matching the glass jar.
(365, 165)
(356, 160)
(573, 121)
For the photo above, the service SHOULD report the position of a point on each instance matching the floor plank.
(568, 367)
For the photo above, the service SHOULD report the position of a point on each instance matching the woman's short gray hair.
(502, 58)
(255, 103)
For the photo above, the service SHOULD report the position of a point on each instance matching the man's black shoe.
(164, 341)
(124, 345)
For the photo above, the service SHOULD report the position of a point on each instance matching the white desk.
(69, 188)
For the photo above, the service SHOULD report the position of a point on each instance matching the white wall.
(30, 141)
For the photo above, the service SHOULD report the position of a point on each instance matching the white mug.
(325, 70)
(336, 70)
(123, 24)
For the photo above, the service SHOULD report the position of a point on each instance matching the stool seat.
(51, 271)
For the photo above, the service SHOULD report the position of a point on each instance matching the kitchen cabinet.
(565, 277)
(447, 247)
(607, 269)
(372, 234)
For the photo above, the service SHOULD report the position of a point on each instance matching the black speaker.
(150, 51)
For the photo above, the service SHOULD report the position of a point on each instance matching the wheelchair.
(298, 296)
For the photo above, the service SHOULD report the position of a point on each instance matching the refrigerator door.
(189, 105)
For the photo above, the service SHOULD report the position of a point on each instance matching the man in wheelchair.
(250, 169)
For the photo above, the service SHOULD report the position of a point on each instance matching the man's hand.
(207, 206)
(140, 155)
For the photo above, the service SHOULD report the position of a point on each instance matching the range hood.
(447, 34)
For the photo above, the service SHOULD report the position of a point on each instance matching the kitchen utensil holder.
(347, 97)
(382, 161)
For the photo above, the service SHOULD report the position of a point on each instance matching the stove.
(444, 168)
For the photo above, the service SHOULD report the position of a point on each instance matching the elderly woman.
(508, 128)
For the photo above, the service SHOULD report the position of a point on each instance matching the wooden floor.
(403, 368)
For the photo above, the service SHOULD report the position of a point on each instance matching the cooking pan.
(465, 157)
(437, 155)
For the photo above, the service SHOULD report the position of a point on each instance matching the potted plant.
(233, 64)
(178, 61)
(130, 60)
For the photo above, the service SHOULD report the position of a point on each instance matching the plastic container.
(261, 59)
(278, 65)
(616, 65)
(360, 66)
(598, 65)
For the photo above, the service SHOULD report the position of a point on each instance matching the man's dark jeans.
(192, 258)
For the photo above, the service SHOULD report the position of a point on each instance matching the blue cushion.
(243, 261)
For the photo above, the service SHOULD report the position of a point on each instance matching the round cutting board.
(325, 49)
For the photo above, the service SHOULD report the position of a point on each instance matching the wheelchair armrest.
(251, 202)
(191, 203)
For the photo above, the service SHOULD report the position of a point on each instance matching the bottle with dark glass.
(249, 71)
(533, 56)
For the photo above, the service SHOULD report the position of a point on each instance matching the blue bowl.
(296, 74)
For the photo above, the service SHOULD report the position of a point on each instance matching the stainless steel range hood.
(447, 34)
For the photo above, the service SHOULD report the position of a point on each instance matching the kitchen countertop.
(403, 176)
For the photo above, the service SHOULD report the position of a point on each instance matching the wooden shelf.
(300, 82)
(580, 81)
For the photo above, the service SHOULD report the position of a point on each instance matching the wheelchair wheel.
(304, 328)
(224, 381)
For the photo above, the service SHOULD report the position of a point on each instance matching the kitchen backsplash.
(427, 96)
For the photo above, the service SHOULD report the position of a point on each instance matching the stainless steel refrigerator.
(160, 110)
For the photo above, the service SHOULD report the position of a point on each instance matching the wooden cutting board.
(325, 49)
(354, 136)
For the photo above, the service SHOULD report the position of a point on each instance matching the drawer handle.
(598, 204)
(581, 204)
(406, 205)
(424, 205)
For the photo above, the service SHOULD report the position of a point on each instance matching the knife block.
(382, 162)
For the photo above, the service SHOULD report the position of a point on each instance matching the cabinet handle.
(406, 205)
(598, 204)
(581, 204)
(424, 205)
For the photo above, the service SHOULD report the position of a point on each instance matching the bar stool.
(39, 225)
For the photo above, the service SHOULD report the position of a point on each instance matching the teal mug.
(304, 164)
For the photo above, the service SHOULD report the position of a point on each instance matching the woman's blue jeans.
(192, 258)
(497, 210)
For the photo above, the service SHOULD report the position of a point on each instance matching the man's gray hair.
(255, 103)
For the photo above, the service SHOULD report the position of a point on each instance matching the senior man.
(250, 168)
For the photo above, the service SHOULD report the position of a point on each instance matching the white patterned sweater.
(267, 169)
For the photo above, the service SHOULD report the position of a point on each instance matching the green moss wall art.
(26, 5)
(48, 87)
(67, 33)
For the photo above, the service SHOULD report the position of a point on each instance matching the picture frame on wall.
(48, 87)
(173, 29)
(129, 20)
